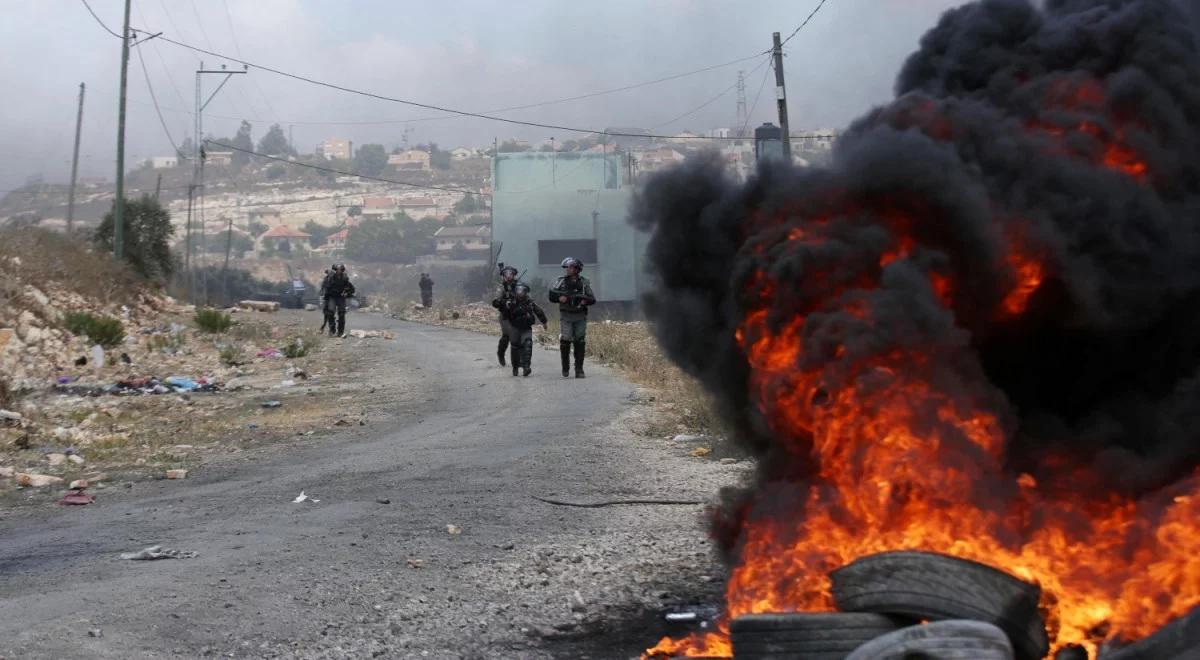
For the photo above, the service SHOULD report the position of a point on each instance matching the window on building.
(553, 252)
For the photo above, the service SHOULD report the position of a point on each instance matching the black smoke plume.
(1068, 135)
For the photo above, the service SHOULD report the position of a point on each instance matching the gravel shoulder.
(426, 541)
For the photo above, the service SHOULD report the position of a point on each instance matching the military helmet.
(339, 266)
(521, 288)
(508, 269)
(572, 261)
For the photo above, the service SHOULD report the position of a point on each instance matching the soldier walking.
(522, 313)
(508, 280)
(337, 289)
(426, 286)
(326, 304)
(573, 293)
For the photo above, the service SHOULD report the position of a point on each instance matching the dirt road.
(426, 541)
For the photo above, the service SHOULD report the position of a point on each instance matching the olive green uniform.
(572, 318)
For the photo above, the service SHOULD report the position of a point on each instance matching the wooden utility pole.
(119, 205)
(781, 95)
(75, 164)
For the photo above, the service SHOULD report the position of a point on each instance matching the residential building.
(626, 138)
(282, 238)
(462, 153)
(164, 162)
(454, 241)
(335, 242)
(378, 208)
(721, 133)
(548, 206)
(218, 158)
(419, 208)
(413, 159)
(686, 137)
(335, 148)
(657, 159)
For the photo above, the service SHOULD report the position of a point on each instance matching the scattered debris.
(79, 484)
(77, 497)
(680, 617)
(177, 474)
(271, 404)
(597, 505)
(158, 552)
(416, 563)
(728, 461)
(304, 498)
(76, 459)
(367, 334)
(9, 416)
(56, 459)
(95, 632)
(7, 472)
(701, 451)
(259, 305)
(271, 352)
(383, 500)
(29, 480)
(689, 438)
(453, 529)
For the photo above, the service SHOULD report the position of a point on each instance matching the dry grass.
(73, 264)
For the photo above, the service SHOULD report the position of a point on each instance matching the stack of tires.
(927, 606)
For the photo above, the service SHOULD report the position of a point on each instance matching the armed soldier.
(426, 287)
(326, 303)
(573, 293)
(522, 313)
(508, 281)
(337, 290)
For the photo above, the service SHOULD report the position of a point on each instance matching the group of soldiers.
(518, 313)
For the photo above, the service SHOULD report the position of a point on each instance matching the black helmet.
(509, 269)
(339, 266)
(521, 289)
(572, 261)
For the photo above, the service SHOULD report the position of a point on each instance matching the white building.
(462, 153)
(164, 162)
(335, 148)
(459, 238)
(413, 159)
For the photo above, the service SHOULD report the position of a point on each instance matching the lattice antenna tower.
(741, 104)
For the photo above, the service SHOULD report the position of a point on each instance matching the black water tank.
(768, 142)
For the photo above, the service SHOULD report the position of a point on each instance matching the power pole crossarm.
(781, 95)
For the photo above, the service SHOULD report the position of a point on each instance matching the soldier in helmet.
(337, 290)
(522, 313)
(426, 287)
(573, 293)
(326, 303)
(508, 280)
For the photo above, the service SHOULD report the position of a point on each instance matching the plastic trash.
(98, 356)
(181, 384)
(272, 404)
(158, 552)
(304, 498)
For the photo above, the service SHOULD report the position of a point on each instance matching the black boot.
(515, 358)
(501, 348)
(580, 350)
(526, 357)
(564, 349)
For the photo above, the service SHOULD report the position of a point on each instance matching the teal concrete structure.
(550, 205)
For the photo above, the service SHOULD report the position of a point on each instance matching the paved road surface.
(455, 440)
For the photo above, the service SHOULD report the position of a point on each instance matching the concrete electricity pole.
(75, 164)
(119, 205)
(781, 94)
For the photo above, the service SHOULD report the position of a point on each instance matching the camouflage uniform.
(504, 293)
(522, 313)
(572, 319)
(337, 289)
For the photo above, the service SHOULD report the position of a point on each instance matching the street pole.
(119, 206)
(75, 164)
(781, 94)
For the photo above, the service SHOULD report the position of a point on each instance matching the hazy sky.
(467, 54)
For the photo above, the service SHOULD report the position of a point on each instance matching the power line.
(153, 97)
(418, 104)
(761, 85)
(801, 27)
(709, 101)
(89, 8)
(333, 171)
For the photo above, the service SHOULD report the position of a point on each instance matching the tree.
(147, 237)
(275, 143)
(400, 240)
(512, 146)
(186, 149)
(318, 232)
(437, 158)
(242, 141)
(469, 204)
(275, 171)
(370, 160)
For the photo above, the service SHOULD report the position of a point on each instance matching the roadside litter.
(304, 498)
(142, 385)
(158, 552)
(30, 480)
(77, 497)
(371, 334)
(270, 352)
(9, 416)
(177, 474)
(272, 404)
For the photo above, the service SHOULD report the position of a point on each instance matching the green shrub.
(211, 320)
(232, 355)
(99, 329)
(296, 347)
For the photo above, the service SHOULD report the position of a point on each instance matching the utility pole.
(198, 169)
(157, 186)
(119, 205)
(75, 164)
(781, 95)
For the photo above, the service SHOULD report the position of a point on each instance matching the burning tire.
(941, 640)
(937, 587)
(808, 635)
(1178, 640)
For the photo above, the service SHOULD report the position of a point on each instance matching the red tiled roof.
(379, 203)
